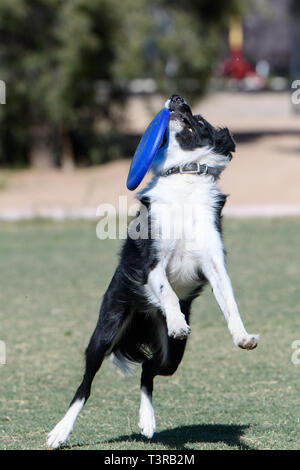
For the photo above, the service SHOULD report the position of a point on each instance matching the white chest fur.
(183, 223)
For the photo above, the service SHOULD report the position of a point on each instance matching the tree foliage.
(67, 64)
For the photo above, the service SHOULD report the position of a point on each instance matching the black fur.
(218, 212)
(128, 325)
(204, 134)
(124, 303)
(198, 132)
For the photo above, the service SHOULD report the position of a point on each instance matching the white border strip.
(271, 210)
(89, 213)
(83, 213)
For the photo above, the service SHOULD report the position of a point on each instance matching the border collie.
(145, 312)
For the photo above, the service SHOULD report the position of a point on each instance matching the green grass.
(53, 276)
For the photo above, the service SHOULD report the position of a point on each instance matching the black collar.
(194, 168)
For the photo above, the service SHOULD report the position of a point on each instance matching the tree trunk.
(41, 153)
(67, 155)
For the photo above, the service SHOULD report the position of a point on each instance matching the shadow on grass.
(177, 438)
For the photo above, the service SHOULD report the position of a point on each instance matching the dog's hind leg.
(151, 368)
(109, 323)
(159, 366)
(146, 414)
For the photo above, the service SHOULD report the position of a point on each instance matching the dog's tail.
(145, 335)
(125, 365)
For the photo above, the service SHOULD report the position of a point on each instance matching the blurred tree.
(51, 55)
(25, 40)
(173, 41)
(86, 34)
(67, 64)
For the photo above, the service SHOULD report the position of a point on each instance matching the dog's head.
(191, 138)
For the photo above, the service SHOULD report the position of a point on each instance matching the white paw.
(147, 424)
(178, 327)
(59, 434)
(246, 341)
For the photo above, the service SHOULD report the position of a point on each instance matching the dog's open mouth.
(179, 110)
(178, 116)
(183, 118)
(181, 113)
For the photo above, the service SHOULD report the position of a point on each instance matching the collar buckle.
(190, 168)
(194, 168)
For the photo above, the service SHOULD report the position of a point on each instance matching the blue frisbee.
(147, 149)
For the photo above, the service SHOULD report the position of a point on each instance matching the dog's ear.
(224, 143)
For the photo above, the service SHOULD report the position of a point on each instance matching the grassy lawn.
(53, 276)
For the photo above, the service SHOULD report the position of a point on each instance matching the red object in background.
(236, 66)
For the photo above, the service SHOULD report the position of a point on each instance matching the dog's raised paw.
(248, 342)
(182, 333)
(179, 330)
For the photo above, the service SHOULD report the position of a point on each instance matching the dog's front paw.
(247, 341)
(178, 328)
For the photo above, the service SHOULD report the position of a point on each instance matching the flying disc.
(147, 149)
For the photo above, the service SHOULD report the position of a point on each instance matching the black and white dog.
(145, 312)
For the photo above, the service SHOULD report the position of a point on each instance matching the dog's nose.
(177, 103)
(176, 99)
